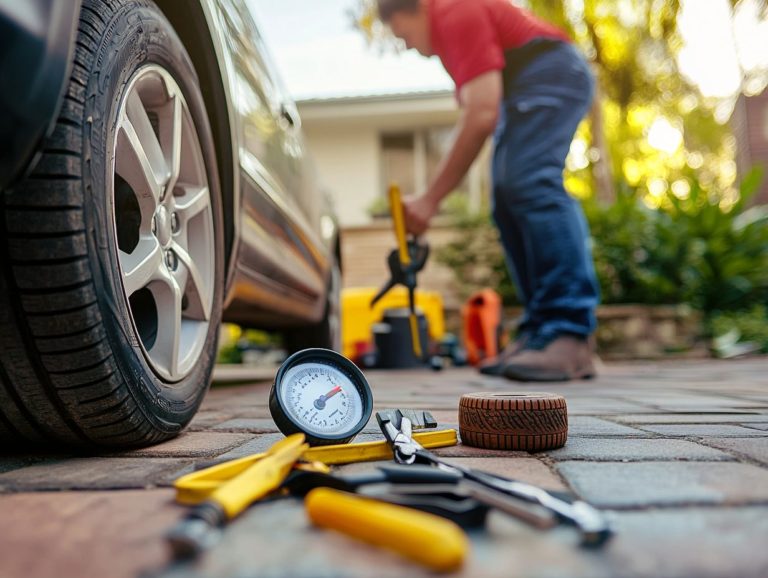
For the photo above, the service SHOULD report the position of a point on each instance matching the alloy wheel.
(163, 222)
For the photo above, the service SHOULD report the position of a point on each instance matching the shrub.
(695, 250)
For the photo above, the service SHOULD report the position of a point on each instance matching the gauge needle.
(320, 401)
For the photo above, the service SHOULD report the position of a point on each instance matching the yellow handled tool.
(196, 487)
(398, 220)
(424, 538)
(404, 263)
(199, 529)
(261, 478)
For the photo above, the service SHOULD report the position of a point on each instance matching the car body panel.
(36, 43)
(282, 256)
(283, 235)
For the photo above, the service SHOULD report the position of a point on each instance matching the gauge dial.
(321, 394)
(321, 398)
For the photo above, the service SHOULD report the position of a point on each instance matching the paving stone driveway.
(676, 453)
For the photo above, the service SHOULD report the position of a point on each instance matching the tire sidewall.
(139, 35)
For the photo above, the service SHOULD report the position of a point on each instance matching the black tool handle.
(418, 474)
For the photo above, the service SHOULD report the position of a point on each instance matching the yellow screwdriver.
(425, 538)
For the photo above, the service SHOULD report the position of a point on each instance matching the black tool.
(442, 492)
(404, 263)
(422, 488)
(420, 419)
(591, 523)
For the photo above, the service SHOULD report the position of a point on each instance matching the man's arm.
(479, 99)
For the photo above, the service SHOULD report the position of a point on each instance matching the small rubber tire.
(530, 422)
(72, 370)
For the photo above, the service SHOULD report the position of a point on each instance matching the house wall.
(750, 125)
(347, 160)
(344, 137)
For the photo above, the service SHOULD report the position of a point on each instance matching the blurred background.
(668, 164)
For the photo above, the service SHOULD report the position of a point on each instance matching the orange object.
(481, 321)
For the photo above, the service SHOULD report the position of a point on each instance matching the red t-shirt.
(471, 36)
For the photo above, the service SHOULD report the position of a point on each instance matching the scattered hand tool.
(425, 538)
(200, 529)
(420, 487)
(420, 419)
(198, 486)
(404, 263)
(592, 525)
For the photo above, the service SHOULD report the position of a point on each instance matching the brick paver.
(755, 449)
(630, 485)
(675, 452)
(628, 449)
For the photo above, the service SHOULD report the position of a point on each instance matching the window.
(398, 161)
(411, 158)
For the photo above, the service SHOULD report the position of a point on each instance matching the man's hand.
(418, 213)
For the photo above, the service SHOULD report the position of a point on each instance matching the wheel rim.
(163, 223)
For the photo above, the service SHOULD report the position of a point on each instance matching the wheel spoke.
(140, 159)
(170, 136)
(142, 266)
(168, 296)
(139, 118)
(196, 200)
(191, 204)
(195, 288)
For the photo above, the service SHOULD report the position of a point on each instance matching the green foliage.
(716, 256)
(696, 250)
(229, 354)
(232, 352)
(455, 205)
(751, 325)
(476, 257)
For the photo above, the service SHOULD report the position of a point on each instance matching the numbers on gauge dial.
(321, 399)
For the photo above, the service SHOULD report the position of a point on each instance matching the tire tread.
(525, 422)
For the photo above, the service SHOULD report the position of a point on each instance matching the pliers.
(591, 523)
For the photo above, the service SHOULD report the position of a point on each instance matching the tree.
(650, 127)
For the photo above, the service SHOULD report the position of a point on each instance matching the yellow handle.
(261, 478)
(398, 219)
(415, 335)
(198, 486)
(424, 538)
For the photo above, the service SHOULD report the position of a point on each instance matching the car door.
(282, 262)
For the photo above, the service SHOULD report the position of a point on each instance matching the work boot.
(564, 358)
(495, 365)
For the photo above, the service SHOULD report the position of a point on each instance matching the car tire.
(111, 251)
(327, 333)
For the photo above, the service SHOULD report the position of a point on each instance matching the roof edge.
(384, 97)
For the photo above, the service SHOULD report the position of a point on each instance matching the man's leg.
(514, 252)
(542, 228)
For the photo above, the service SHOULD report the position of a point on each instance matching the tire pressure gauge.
(321, 394)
